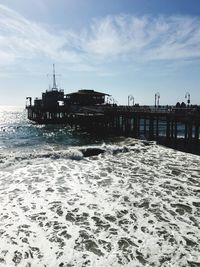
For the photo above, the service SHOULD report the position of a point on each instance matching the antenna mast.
(54, 78)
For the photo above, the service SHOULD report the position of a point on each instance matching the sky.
(119, 47)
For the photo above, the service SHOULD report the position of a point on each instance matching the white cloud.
(146, 38)
(122, 37)
(20, 38)
(112, 36)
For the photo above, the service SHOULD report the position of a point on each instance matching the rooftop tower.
(54, 79)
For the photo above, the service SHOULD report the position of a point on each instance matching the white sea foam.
(134, 204)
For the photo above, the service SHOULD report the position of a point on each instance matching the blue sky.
(120, 47)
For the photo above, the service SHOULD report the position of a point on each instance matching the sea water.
(131, 203)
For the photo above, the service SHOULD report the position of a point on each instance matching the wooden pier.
(88, 110)
(169, 126)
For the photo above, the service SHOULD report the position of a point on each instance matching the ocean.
(72, 199)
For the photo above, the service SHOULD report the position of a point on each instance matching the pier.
(176, 126)
(170, 126)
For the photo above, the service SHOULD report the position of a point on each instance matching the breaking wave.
(73, 153)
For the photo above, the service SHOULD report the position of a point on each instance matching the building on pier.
(56, 107)
(85, 97)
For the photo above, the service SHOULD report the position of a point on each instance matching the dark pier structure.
(176, 127)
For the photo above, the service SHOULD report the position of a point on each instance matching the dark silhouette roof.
(87, 92)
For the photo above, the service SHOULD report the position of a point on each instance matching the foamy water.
(133, 204)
